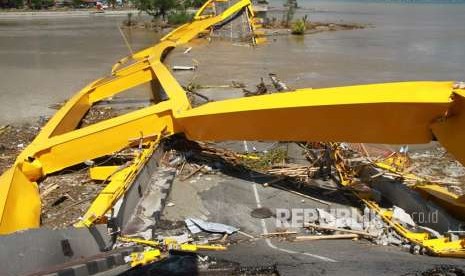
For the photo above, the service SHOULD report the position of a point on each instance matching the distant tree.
(195, 3)
(11, 4)
(112, 3)
(76, 3)
(41, 4)
(156, 8)
(18, 3)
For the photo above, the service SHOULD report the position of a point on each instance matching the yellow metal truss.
(406, 112)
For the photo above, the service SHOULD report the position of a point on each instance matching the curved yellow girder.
(60, 144)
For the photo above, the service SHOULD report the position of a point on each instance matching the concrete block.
(97, 266)
(76, 270)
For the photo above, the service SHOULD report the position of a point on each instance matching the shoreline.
(316, 27)
(62, 14)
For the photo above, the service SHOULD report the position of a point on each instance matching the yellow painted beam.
(102, 173)
(121, 180)
(132, 68)
(119, 84)
(19, 202)
(450, 129)
(68, 116)
(396, 113)
(102, 138)
(172, 88)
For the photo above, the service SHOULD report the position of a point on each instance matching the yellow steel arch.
(406, 112)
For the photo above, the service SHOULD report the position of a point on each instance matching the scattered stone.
(164, 224)
(440, 270)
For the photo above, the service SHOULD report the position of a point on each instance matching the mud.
(193, 264)
(440, 270)
(13, 139)
(63, 206)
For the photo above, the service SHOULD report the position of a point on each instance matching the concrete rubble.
(196, 226)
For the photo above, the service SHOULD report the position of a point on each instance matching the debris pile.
(97, 114)
(66, 197)
(192, 158)
(13, 139)
(189, 236)
(326, 226)
(439, 270)
(381, 227)
(437, 166)
(301, 173)
(276, 86)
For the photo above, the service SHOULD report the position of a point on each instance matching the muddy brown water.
(45, 61)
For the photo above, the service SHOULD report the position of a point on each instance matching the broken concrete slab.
(151, 204)
(402, 217)
(195, 225)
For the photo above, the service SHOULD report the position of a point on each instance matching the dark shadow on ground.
(191, 264)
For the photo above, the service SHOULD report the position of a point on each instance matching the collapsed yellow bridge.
(394, 113)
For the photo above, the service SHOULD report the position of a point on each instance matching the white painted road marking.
(271, 245)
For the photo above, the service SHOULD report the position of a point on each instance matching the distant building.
(261, 8)
(61, 3)
(291, 3)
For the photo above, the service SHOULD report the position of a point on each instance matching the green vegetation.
(112, 3)
(129, 21)
(193, 3)
(164, 8)
(8, 4)
(76, 3)
(300, 26)
(265, 161)
(41, 4)
(179, 17)
(156, 8)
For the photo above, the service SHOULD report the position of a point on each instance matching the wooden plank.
(326, 237)
(324, 227)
